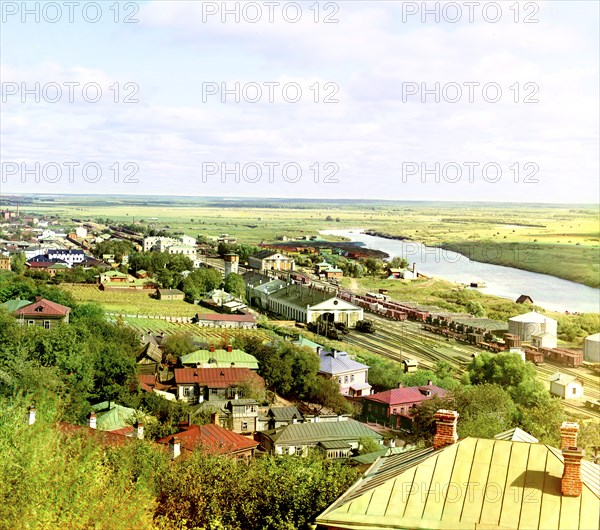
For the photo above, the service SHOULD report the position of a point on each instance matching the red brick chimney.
(445, 428)
(211, 348)
(229, 348)
(568, 434)
(571, 483)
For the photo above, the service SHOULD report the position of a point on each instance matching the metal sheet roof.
(307, 433)
(472, 484)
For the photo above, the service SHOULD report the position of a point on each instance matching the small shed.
(524, 299)
(170, 294)
(566, 386)
(410, 366)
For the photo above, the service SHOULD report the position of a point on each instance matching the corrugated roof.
(284, 413)
(112, 417)
(214, 317)
(516, 435)
(221, 359)
(303, 341)
(307, 433)
(212, 438)
(397, 396)
(532, 316)
(338, 363)
(472, 484)
(213, 377)
(563, 379)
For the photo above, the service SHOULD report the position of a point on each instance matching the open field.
(562, 240)
(132, 302)
(211, 335)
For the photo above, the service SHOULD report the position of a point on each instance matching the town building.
(43, 313)
(232, 263)
(238, 414)
(14, 305)
(473, 483)
(544, 340)
(267, 260)
(394, 273)
(170, 294)
(524, 299)
(213, 358)
(71, 257)
(196, 385)
(279, 417)
(300, 303)
(394, 407)
(352, 376)
(210, 438)
(184, 250)
(566, 386)
(337, 439)
(5, 263)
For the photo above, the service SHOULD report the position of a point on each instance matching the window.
(352, 378)
(298, 451)
(345, 379)
(574, 390)
(188, 391)
(340, 380)
(30, 322)
(213, 390)
(394, 411)
(244, 426)
(46, 324)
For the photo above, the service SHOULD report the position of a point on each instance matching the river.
(546, 291)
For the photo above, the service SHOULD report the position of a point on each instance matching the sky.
(441, 101)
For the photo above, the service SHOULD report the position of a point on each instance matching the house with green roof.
(473, 484)
(14, 305)
(337, 439)
(227, 358)
(116, 418)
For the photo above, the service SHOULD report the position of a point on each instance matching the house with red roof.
(212, 439)
(43, 313)
(195, 385)
(393, 407)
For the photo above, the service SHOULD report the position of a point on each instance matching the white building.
(528, 325)
(591, 348)
(352, 376)
(544, 340)
(186, 250)
(566, 386)
(81, 232)
(267, 260)
(188, 240)
(71, 257)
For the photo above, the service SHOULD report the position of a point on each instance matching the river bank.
(549, 292)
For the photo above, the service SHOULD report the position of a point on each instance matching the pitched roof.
(43, 307)
(169, 292)
(113, 417)
(338, 362)
(303, 341)
(221, 359)
(213, 377)
(474, 483)
(284, 413)
(532, 316)
(266, 254)
(12, 305)
(563, 379)
(213, 438)
(397, 396)
(313, 433)
(150, 351)
(104, 437)
(516, 435)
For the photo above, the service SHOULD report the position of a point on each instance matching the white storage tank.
(591, 348)
(530, 324)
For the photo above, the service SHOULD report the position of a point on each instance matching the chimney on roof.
(211, 348)
(236, 396)
(214, 418)
(568, 434)
(38, 298)
(571, 483)
(229, 348)
(429, 382)
(400, 385)
(92, 420)
(392, 442)
(138, 430)
(30, 415)
(175, 447)
(445, 428)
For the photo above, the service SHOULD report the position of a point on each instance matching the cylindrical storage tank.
(591, 348)
(530, 324)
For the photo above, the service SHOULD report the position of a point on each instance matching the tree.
(328, 395)
(179, 344)
(367, 445)
(234, 284)
(17, 263)
(475, 309)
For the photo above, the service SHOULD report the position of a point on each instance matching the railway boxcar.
(534, 356)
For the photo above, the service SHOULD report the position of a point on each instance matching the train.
(378, 304)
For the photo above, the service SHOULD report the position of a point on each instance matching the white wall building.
(81, 232)
(566, 386)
